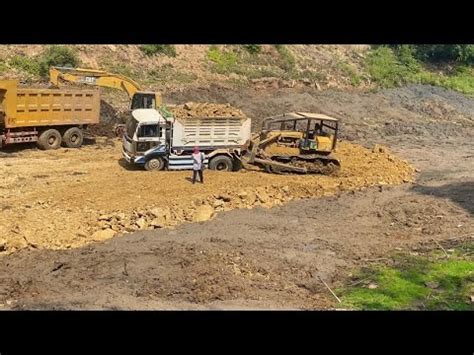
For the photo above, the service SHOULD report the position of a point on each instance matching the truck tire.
(221, 163)
(49, 139)
(155, 164)
(73, 137)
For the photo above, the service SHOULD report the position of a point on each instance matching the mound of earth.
(203, 110)
(65, 199)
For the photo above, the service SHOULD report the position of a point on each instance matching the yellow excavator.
(138, 97)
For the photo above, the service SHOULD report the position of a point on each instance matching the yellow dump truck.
(49, 117)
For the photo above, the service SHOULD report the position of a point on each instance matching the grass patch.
(166, 74)
(154, 49)
(119, 68)
(223, 62)
(287, 60)
(3, 67)
(349, 71)
(421, 282)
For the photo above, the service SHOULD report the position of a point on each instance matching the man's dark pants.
(195, 172)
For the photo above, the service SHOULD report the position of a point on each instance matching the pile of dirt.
(67, 199)
(205, 110)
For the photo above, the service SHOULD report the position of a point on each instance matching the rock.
(158, 212)
(104, 224)
(224, 197)
(157, 223)
(263, 196)
(119, 216)
(130, 228)
(3, 245)
(379, 149)
(203, 213)
(432, 284)
(103, 234)
(285, 189)
(242, 194)
(218, 203)
(372, 286)
(105, 217)
(141, 223)
(472, 299)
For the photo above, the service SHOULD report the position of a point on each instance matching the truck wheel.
(49, 139)
(221, 163)
(155, 164)
(73, 137)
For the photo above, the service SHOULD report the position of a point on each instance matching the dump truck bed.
(211, 132)
(35, 107)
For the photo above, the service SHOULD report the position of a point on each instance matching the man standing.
(198, 164)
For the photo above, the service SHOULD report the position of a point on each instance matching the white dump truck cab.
(146, 138)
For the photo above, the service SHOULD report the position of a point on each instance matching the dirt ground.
(57, 205)
(69, 198)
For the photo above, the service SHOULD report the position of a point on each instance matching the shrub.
(57, 56)
(223, 62)
(253, 48)
(287, 61)
(153, 49)
(27, 64)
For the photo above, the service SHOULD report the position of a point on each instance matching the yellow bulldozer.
(295, 142)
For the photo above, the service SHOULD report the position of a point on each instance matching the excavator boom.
(138, 98)
(94, 77)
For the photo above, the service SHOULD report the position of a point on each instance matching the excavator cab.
(310, 133)
(144, 100)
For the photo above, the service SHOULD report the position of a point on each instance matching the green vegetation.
(395, 66)
(287, 60)
(224, 62)
(57, 56)
(153, 49)
(3, 67)
(248, 61)
(252, 48)
(423, 282)
(119, 68)
(39, 65)
(27, 64)
(166, 73)
(351, 72)
(438, 53)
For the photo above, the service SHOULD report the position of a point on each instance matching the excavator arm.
(94, 77)
(139, 98)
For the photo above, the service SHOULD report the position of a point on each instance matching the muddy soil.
(259, 257)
